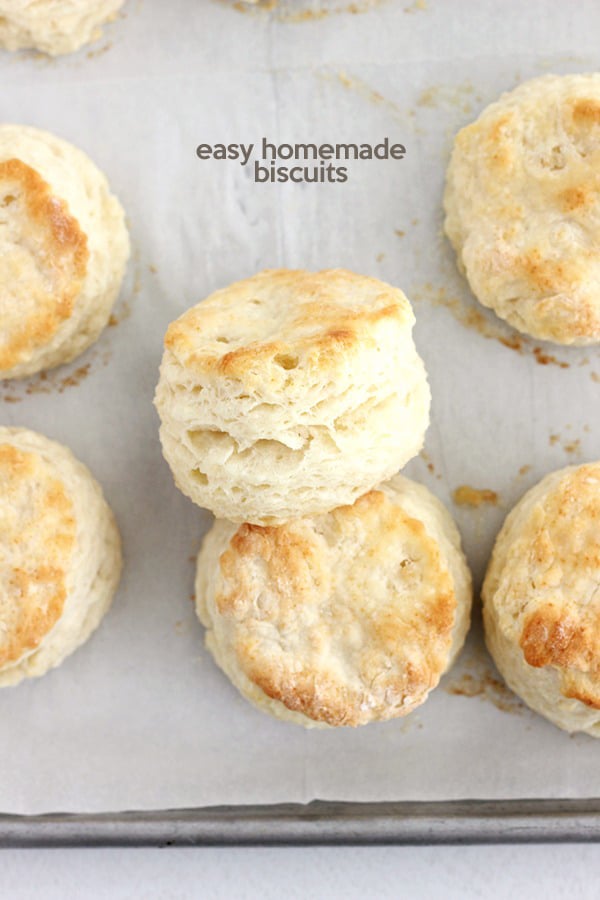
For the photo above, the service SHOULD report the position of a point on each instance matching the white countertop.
(513, 872)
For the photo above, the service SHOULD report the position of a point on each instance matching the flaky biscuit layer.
(291, 393)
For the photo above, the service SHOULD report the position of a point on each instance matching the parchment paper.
(140, 717)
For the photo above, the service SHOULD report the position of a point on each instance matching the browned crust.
(296, 567)
(36, 586)
(513, 158)
(496, 145)
(546, 276)
(575, 198)
(579, 688)
(564, 556)
(585, 112)
(334, 330)
(57, 239)
(551, 639)
(555, 284)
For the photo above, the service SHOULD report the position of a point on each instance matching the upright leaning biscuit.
(63, 251)
(60, 556)
(342, 619)
(291, 393)
(523, 207)
(53, 26)
(542, 599)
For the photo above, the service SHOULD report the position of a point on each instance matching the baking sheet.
(140, 717)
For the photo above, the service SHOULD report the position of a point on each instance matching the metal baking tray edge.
(319, 822)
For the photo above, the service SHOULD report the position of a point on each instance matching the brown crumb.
(546, 359)
(124, 311)
(74, 378)
(474, 497)
(153, 269)
(524, 470)
(470, 316)
(572, 447)
(380, 257)
(54, 379)
(427, 460)
(595, 377)
(39, 384)
(399, 232)
(513, 342)
(486, 686)
(473, 317)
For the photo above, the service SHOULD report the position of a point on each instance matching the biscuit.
(63, 251)
(53, 26)
(541, 599)
(523, 207)
(342, 619)
(60, 555)
(291, 393)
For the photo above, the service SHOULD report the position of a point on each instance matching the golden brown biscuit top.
(43, 261)
(37, 539)
(526, 186)
(344, 618)
(283, 319)
(556, 593)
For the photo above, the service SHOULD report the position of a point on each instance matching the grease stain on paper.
(366, 91)
(479, 680)
(458, 96)
(474, 319)
(312, 14)
(465, 495)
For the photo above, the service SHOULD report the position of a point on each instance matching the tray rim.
(407, 823)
